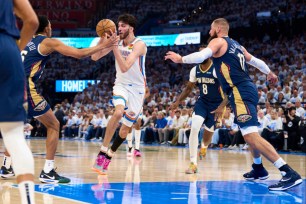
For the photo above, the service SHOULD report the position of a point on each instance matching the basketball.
(104, 26)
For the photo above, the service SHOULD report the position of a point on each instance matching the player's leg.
(137, 137)
(207, 136)
(6, 168)
(129, 139)
(22, 158)
(259, 145)
(110, 131)
(48, 174)
(196, 124)
(246, 114)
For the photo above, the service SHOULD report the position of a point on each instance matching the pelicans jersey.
(211, 94)
(129, 89)
(12, 78)
(232, 73)
(34, 64)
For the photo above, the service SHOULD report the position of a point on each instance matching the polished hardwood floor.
(158, 166)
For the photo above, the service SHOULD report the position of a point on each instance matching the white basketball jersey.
(136, 75)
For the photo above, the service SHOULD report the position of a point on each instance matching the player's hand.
(218, 113)
(174, 106)
(176, 58)
(272, 78)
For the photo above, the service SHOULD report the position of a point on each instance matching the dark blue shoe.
(257, 172)
(289, 180)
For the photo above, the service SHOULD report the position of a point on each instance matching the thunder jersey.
(231, 68)
(136, 75)
(8, 20)
(208, 84)
(34, 62)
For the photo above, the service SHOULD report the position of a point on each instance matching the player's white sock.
(103, 149)
(26, 189)
(137, 139)
(7, 161)
(193, 145)
(49, 165)
(279, 163)
(129, 139)
(196, 124)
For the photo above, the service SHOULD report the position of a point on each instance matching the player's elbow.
(32, 22)
(94, 58)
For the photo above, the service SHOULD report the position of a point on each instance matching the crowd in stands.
(235, 11)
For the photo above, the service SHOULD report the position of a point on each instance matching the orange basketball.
(104, 26)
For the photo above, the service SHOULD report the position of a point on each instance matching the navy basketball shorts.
(203, 109)
(244, 100)
(12, 81)
(37, 104)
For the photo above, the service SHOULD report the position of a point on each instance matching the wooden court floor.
(160, 168)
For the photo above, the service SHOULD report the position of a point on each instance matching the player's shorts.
(244, 99)
(12, 81)
(131, 97)
(203, 109)
(37, 104)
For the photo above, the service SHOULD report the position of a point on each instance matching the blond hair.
(223, 23)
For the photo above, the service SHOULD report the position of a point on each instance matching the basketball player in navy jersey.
(230, 59)
(210, 102)
(35, 57)
(12, 84)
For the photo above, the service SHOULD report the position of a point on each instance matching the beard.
(212, 37)
(123, 35)
(204, 62)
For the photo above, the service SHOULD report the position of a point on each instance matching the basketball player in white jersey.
(129, 88)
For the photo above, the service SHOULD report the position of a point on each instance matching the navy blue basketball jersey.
(231, 68)
(8, 20)
(209, 86)
(34, 62)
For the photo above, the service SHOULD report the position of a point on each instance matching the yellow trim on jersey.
(211, 63)
(226, 74)
(240, 107)
(34, 95)
(36, 98)
(35, 68)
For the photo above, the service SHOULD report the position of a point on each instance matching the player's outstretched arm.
(23, 10)
(98, 55)
(261, 65)
(196, 57)
(49, 45)
(139, 49)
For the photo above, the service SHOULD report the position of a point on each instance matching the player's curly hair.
(128, 19)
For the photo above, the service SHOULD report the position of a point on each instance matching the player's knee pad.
(15, 143)
(196, 123)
